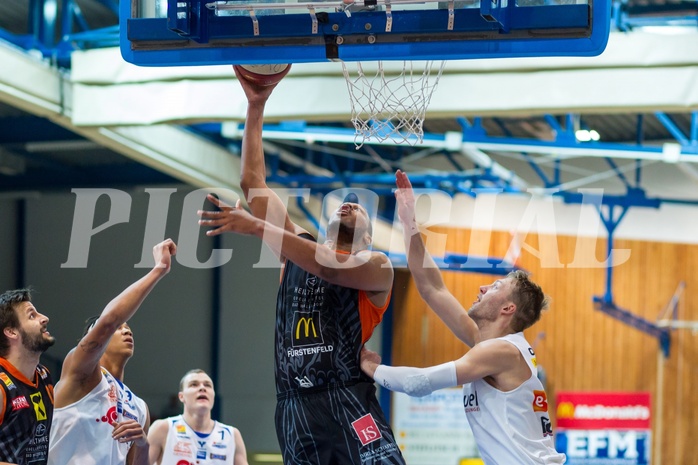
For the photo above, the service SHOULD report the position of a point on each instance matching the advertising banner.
(433, 430)
(604, 428)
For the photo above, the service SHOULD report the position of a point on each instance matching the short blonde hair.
(190, 372)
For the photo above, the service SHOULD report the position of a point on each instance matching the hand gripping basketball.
(263, 75)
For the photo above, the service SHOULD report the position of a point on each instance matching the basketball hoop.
(391, 106)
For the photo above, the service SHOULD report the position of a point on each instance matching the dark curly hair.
(8, 315)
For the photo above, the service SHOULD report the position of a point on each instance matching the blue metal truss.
(57, 36)
(463, 180)
(465, 263)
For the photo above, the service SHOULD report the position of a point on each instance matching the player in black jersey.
(26, 388)
(331, 298)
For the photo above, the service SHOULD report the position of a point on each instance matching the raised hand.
(163, 252)
(233, 219)
(405, 202)
(254, 93)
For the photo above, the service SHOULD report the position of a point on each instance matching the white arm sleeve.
(417, 382)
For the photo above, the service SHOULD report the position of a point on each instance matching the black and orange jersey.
(320, 329)
(25, 416)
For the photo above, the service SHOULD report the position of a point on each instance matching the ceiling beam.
(42, 90)
(621, 80)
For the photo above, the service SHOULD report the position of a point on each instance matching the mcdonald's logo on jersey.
(39, 408)
(307, 329)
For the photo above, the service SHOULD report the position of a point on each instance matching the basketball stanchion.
(391, 106)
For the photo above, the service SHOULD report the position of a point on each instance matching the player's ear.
(509, 308)
(10, 332)
(367, 239)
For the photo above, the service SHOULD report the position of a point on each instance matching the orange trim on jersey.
(9, 367)
(49, 391)
(370, 314)
(18, 374)
(2, 405)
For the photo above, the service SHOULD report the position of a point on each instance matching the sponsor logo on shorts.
(540, 401)
(19, 403)
(367, 429)
(304, 382)
(380, 453)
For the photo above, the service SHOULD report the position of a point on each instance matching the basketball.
(263, 75)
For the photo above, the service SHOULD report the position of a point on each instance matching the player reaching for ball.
(331, 298)
(504, 400)
(98, 419)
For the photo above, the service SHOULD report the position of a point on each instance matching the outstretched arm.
(264, 202)
(426, 274)
(499, 360)
(367, 270)
(81, 371)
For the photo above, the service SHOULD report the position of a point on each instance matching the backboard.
(204, 32)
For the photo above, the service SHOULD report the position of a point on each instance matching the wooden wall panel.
(583, 349)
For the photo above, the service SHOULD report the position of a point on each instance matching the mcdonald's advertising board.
(604, 428)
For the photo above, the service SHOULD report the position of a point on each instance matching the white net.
(391, 105)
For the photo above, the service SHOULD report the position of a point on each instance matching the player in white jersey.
(504, 401)
(97, 419)
(194, 438)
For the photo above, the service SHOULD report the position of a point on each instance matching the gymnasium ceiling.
(43, 149)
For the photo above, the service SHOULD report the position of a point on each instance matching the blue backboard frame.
(510, 31)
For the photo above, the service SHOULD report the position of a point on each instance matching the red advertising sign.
(603, 410)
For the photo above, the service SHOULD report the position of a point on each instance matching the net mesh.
(391, 105)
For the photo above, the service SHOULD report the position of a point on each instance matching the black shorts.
(336, 426)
